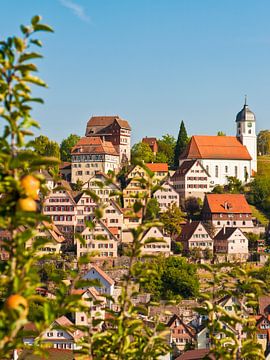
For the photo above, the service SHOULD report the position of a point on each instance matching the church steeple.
(246, 131)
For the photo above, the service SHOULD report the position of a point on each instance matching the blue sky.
(153, 62)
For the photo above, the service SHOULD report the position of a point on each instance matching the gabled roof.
(215, 147)
(104, 121)
(102, 274)
(226, 233)
(149, 140)
(148, 230)
(227, 203)
(93, 292)
(185, 167)
(155, 167)
(65, 165)
(93, 145)
(189, 329)
(54, 231)
(197, 354)
(189, 229)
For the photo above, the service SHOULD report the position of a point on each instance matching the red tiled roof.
(65, 165)
(215, 147)
(149, 140)
(155, 167)
(195, 355)
(104, 121)
(228, 203)
(94, 145)
(114, 230)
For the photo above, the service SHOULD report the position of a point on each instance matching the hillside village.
(100, 198)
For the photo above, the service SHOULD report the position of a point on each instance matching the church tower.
(246, 132)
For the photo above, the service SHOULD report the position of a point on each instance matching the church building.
(224, 156)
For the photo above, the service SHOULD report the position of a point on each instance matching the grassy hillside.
(264, 165)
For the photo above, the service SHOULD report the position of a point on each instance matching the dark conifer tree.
(181, 143)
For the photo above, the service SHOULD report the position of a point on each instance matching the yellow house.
(53, 236)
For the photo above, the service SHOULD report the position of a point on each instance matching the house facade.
(227, 210)
(161, 246)
(167, 196)
(195, 235)
(112, 129)
(232, 242)
(100, 241)
(91, 155)
(191, 179)
(181, 334)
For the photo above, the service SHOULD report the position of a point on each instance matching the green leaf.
(35, 80)
(19, 44)
(26, 67)
(36, 42)
(36, 19)
(25, 29)
(28, 56)
(42, 27)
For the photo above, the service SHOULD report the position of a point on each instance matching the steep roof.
(189, 229)
(155, 167)
(54, 231)
(227, 203)
(197, 354)
(94, 145)
(185, 167)
(225, 233)
(104, 121)
(215, 147)
(102, 273)
(149, 140)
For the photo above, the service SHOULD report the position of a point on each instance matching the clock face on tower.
(249, 124)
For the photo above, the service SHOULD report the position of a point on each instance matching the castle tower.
(246, 132)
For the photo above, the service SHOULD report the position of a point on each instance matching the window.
(216, 171)
(59, 334)
(235, 171)
(50, 334)
(82, 318)
(226, 169)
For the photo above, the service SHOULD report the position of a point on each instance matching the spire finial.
(245, 100)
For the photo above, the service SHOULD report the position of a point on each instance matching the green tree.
(179, 279)
(234, 185)
(263, 141)
(170, 278)
(259, 191)
(181, 143)
(66, 146)
(252, 241)
(141, 152)
(166, 146)
(46, 147)
(221, 133)
(161, 157)
(173, 219)
(193, 206)
(152, 209)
